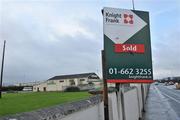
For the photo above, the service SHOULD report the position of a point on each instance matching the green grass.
(12, 103)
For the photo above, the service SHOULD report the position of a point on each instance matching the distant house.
(59, 83)
(170, 79)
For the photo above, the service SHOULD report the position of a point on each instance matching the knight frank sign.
(127, 46)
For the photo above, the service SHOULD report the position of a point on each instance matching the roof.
(72, 76)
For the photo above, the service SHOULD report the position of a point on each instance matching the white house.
(60, 83)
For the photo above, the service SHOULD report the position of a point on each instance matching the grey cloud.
(37, 51)
(30, 57)
(166, 54)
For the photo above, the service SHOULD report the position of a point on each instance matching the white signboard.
(121, 24)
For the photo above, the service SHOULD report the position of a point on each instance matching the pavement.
(163, 103)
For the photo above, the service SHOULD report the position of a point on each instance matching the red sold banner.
(134, 48)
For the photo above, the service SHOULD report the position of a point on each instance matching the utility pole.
(133, 4)
(2, 68)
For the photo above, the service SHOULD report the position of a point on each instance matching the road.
(172, 95)
(163, 103)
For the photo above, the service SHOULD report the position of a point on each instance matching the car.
(156, 83)
(166, 84)
(171, 83)
(95, 91)
(177, 85)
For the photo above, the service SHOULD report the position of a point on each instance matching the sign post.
(127, 46)
(105, 91)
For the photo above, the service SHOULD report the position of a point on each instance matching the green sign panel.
(127, 46)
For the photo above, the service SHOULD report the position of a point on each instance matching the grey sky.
(47, 38)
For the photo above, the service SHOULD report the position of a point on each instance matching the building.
(84, 81)
(170, 79)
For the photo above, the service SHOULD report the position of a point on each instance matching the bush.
(72, 89)
(12, 88)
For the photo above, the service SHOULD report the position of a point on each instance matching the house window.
(72, 82)
(61, 81)
(82, 79)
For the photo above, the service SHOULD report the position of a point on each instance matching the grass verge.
(12, 103)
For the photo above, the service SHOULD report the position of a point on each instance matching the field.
(12, 103)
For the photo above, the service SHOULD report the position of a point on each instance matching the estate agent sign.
(127, 46)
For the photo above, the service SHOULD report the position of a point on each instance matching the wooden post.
(121, 89)
(105, 90)
(142, 89)
(2, 68)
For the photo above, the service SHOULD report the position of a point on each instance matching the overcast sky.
(53, 37)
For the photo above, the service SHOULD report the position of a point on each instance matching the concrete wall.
(115, 108)
(92, 113)
(127, 105)
(123, 105)
(131, 107)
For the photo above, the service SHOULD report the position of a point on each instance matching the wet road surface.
(173, 97)
(163, 103)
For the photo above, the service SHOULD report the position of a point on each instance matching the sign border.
(130, 80)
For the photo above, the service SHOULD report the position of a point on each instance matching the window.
(72, 82)
(82, 79)
(61, 81)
